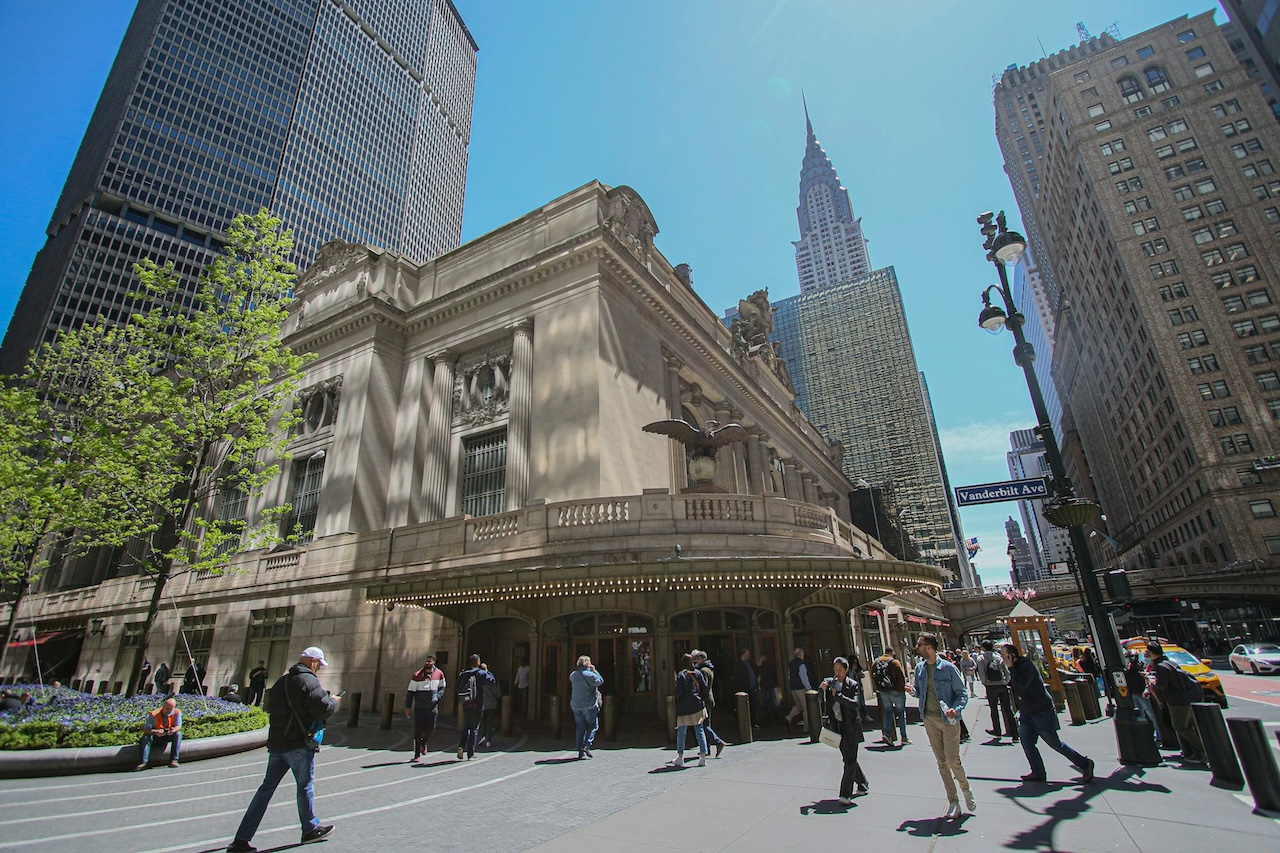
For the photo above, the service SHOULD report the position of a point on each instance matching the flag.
(972, 546)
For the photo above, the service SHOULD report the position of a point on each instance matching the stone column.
(767, 470)
(521, 414)
(755, 463)
(739, 459)
(679, 471)
(724, 458)
(793, 489)
(405, 475)
(809, 486)
(435, 473)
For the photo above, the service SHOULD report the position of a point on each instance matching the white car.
(1259, 658)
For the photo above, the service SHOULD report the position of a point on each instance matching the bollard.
(507, 721)
(609, 724)
(1075, 706)
(388, 708)
(1217, 745)
(1092, 705)
(813, 706)
(743, 706)
(671, 720)
(553, 715)
(353, 710)
(1259, 763)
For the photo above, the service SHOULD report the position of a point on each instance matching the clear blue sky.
(697, 106)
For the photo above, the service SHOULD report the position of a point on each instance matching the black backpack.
(468, 688)
(997, 672)
(1184, 683)
(882, 677)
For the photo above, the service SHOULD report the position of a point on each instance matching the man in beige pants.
(940, 688)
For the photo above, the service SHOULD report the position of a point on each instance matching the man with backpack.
(469, 689)
(890, 682)
(1176, 689)
(995, 677)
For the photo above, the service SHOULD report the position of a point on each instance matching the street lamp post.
(1134, 735)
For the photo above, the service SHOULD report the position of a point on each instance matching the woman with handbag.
(844, 699)
(690, 711)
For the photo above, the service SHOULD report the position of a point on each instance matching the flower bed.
(62, 718)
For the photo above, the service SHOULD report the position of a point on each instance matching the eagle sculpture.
(701, 442)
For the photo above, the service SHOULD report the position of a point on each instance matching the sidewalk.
(783, 797)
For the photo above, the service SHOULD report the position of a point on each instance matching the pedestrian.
(940, 688)
(994, 676)
(491, 692)
(749, 683)
(1135, 679)
(800, 680)
(163, 674)
(469, 690)
(523, 675)
(164, 726)
(299, 705)
(143, 674)
(257, 682)
(768, 673)
(690, 711)
(233, 695)
(422, 704)
(967, 668)
(890, 682)
(193, 681)
(844, 699)
(584, 684)
(1037, 718)
(1176, 689)
(708, 672)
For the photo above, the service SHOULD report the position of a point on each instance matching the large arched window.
(1157, 82)
(1130, 89)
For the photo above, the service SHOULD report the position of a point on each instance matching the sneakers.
(140, 767)
(1032, 777)
(702, 759)
(460, 753)
(582, 755)
(846, 801)
(719, 748)
(969, 802)
(863, 790)
(953, 811)
(1086, 772)
(588, 752)
(906, 741)
(678, 761)
(173, 764)
(241, 846)
(316, 834)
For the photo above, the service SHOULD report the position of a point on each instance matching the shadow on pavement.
(1041, 836)
(827, 807)
(930, 826)
(573, 759)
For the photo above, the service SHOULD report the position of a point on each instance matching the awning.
(919, 620)
(41, 639)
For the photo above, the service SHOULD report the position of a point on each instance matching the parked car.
(1256, 657)
(1209, 680)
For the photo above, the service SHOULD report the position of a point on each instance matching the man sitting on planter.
(164, 725)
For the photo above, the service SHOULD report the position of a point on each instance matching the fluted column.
(755, 463)
(793, 489)
(405, 474)
(521, 414)
(435, 469)
(768, 474)
(724, 458)
(679, 470)
(742, 483)
(809, 485)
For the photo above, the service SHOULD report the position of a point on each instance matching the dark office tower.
(348, 120)
(1146, 174)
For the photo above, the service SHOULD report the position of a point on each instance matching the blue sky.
(696, 105)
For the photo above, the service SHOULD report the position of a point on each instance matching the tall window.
(307, 479)
(195, 633)
(232, 504)
(484, 473)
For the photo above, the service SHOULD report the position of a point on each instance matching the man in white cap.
(298, 705)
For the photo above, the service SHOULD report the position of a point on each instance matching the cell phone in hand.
(340, 694)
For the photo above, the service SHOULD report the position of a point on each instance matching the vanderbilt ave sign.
(1010, 490)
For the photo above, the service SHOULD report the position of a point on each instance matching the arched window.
(1130, 89)
(1157, 82)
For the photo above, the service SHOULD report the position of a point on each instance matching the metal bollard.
(507, 717)
(553, 715)
(1217, 745)
(743, 706)
(1257, 760)
(1075, 706)
(671, 720)
(609, 723)
(813, 704)
(1093, 705)
(353, 710)
(388, 708)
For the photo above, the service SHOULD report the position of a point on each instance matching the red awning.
(41, 639)
(871, 611)
(919, 620)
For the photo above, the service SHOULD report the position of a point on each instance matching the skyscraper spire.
(808, 125)
(831, 248)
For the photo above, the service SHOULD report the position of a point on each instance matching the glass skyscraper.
(348, 120)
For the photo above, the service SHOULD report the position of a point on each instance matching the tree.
(185, 405)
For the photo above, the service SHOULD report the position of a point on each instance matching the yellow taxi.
(1209, 680)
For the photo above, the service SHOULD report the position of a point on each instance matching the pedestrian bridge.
(1255, 581)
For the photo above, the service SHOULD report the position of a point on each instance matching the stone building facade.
(471, 476)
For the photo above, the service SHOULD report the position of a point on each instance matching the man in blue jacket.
(940, 688)
(584, 685)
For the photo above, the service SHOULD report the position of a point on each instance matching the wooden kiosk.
(1029, 630)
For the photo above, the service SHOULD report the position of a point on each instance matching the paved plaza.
(531, 793)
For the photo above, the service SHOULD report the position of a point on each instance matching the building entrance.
(724, 634)
(620, 646)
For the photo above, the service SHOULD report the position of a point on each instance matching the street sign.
(1009, 490)
(1060, 568)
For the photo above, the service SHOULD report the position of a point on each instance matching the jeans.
(712, 737)
(998, 697)
(470, 728)
(1044, 725)
(944, 739)
(893, 704)
(303, 764)
(159, 740)
(488, 718)
(1144, 705)
(771, 709)
(697, 732)
(423, 726)
(587, 722)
